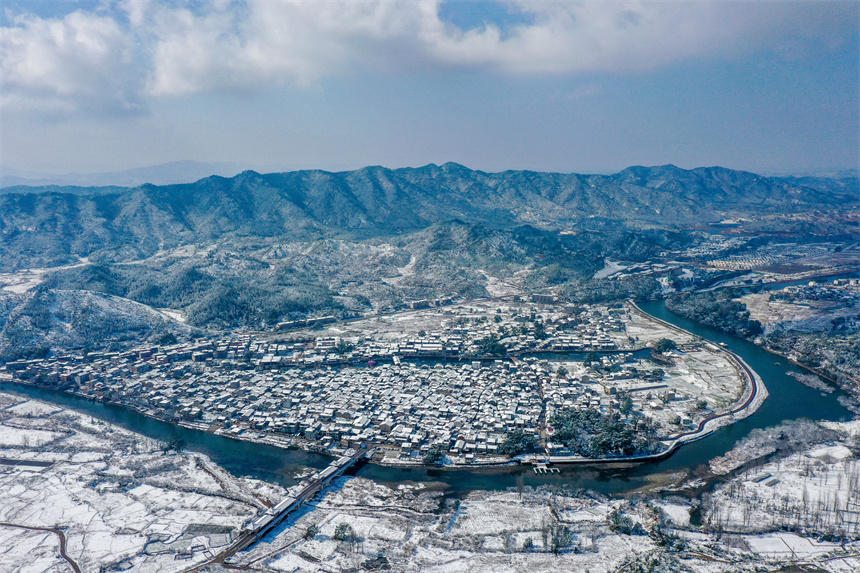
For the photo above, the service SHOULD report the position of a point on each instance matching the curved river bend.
(788, 400)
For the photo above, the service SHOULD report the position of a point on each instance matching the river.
(788, 400)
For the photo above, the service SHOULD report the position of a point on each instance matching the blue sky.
(107, 85)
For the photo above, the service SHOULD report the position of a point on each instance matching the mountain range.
(50, 224)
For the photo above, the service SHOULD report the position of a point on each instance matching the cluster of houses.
(843, 292)
(381, 391)
(464, 330)
(770, 255)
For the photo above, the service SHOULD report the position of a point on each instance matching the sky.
(588, 87)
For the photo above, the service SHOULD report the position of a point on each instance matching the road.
(59, 534)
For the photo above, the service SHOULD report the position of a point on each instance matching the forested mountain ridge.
(41, 226)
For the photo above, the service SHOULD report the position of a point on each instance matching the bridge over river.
(276, 515)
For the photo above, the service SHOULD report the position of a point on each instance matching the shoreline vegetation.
(735, 319)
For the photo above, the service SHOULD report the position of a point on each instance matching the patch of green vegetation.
(716, 309)
(492, 346)
(665, 345)
(434, 457)
(593, 434)
(592, 291)
(518, 442)
(209, 297)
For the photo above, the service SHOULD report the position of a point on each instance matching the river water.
(788, 400)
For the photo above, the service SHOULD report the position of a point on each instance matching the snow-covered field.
(122, 502)
(810, 316)
(125, 504)
(815, 490)
(23, 280)
(487, 532)
(647, 331)
(11, 436)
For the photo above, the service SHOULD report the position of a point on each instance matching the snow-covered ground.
(808, 315)
(124, 504)
(121, 501)
(177, 315)
(21, 281)
(815, 490)
(647, 331)
(11, 436)
(498, 287)
(609, 268)
(419, 530)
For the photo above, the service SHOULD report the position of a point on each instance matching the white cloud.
(146, 48)
(79, 61)
(299, 42)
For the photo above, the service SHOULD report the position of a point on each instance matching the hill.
(41, 226)
(34, 323)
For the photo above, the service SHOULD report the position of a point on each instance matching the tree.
(167, 339)
(343, 532)
(545, 532)
(622, 524)
(562, 537)
(540, 331)
(561, 372)
(626, 405)
(528, 544)
(491, 345)
(591, 433)
(665, 345)
(175, 443)
(311, 531)
(716, 309)
(344, 346)
(518, 442)
(434, 456)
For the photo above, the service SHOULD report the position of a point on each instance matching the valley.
(503, 346)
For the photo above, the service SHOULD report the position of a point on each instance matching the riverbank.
(121, 501)
(806, 314)
(848, 384)
(165, 519)
(753, 396)
(789, 400)
(700, 375)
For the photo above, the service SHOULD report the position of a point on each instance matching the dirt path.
(59, 533)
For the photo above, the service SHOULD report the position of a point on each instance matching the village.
(457, 381)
